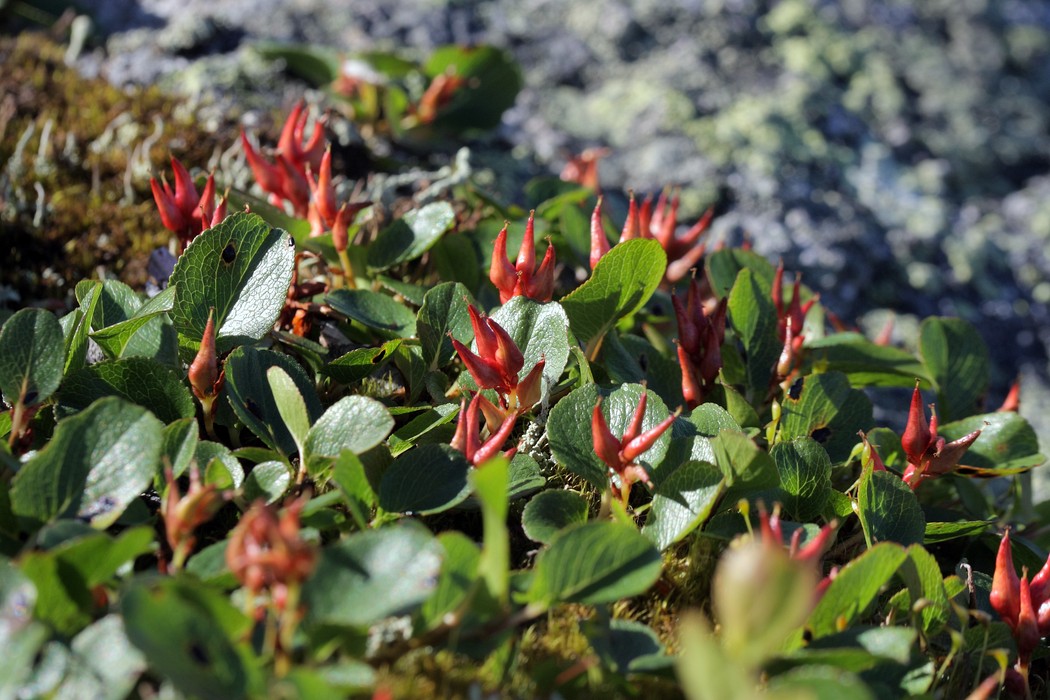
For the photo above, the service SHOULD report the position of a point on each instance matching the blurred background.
(897, 152)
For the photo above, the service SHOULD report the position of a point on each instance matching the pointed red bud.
(634, 428)
(526, 262)
(541, 286)
(501, 272)
(486, 375)
(1005, 596)
(1027, 631)
(631, 226)
(204, 370)
(917, 436)
(1013, 398)
(507, 357)
(633, 449)
(170, 215)
(599, 241)
(483, 334)
(606, 445)
(530, 388)
(692, 390)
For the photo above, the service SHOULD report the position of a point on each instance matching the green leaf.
(77, 325)
(424, 480)
(805, 477)
(1007, 444)
(178, 628)
(355, 423)
(103, 664)
(594, 563)
(97, 557)
(863, 362)
(754, 318)
(820, 683)
(957, 360)
(828, 410)
(724, 266)
(525, 476)
(683, 501)
(97, 463)
(268, 481)
(889, 510)
(691, 438)
(63, 602)
(569, 428)
(375, 311)
(749, 471)
(551, 511)
(31, 357)
(179, 444)
(371, 575)
(290, 405)
(539, 330)
(349, 474)
(20, 635)
(621, 282)
(358, 364)
(139, 380)
(410, 236)
(459, 572)
(855, 588)
(922, 574)
(490, 482)
(242, 269)
(942, 532)
(125, 326)
(444, 312)
(626, 646)
(705, 671)
(218, 465)
(253, 400)
(491, 83)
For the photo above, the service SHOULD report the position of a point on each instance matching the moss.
(99, 145)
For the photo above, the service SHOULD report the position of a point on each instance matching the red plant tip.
(182, 210)
(632, 227)
(583, 168)
(1026, 633)
(287, 178)
(815, 548)
(870, 455)
(917, 436)
(1012, 402)
(1005, 596)
(266, 552)
(621, 454)
(498, 362)
(885, 336)
(599, 241)
(438, 94)
(928, 454)
(205, 378)
(522, 278)
(468, 432)
(184, 514)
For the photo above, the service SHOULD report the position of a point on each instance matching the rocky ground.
(896, 152)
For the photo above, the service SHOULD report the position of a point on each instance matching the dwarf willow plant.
(303, 465)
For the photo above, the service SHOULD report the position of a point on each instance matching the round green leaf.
(957, 359)
(410, 236)
(355, 423)
(218, 465)
(539, 330)
(830, 411)
(268, 481)
(805, 477)
(104, 664)
(134, 328)
(374, 574)
(253, 400)
(377, 312)
(569, 428)
(242, 269)
(32, 354)
(175, 627)
(444, 311)
(97, 463)
(139, 380)
(179, 444)
(682, 502)
(1007, 442)
(551, 511)
(754, 318)
(621, 282)
(428, 479)
(889, 510)
(594, 563)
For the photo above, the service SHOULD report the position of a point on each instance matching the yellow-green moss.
(96, 212)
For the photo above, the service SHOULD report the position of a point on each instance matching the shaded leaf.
(31, 357)
(410, 236)
(957, 360)
(830, 411)
(139, 380)
(805, 477)
(424, 480)
(683, 501)
(375, 311)
(551, 511)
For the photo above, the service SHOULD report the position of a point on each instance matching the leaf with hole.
(241, 268)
